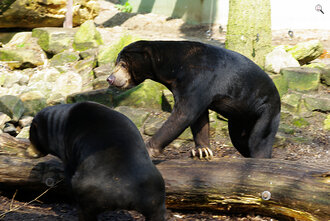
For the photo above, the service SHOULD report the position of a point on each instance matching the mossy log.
(271, 187)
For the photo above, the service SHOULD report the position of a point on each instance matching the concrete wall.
(286, 14)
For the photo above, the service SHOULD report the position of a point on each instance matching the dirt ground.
(308, 144)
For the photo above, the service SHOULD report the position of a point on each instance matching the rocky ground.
(306, 143)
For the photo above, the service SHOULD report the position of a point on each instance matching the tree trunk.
(289, 189)
(249, 29)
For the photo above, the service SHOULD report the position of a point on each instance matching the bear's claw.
(202, 152)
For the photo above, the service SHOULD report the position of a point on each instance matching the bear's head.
(133, 66)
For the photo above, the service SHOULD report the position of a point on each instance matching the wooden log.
(12, 146)
(235, 186)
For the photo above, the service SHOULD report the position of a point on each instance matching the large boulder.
(54, 40)
(305, 52)
(87, 37)
(22, 51)
(148, 94)
(44, 13)
(278, 59)
(102, 96)
(108, 53)
(302, 79)
(34, 101)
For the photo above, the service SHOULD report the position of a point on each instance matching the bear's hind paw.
(201, 153)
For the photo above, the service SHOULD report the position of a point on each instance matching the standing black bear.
(105, 159)
(203, 77)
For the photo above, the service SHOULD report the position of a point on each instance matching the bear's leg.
(201, 133)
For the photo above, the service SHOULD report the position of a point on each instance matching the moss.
(327, 123)
(300, 122)
(108, 54)
(302, 79)
(281, 84)
(64, 58)
(148, 94)
(9, 55)
(87, 37)
(43, 38)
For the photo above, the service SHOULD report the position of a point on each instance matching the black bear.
(203, 77)
(106, 163)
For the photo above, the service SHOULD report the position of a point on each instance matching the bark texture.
(249, 29)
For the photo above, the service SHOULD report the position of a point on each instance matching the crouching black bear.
(203, 77)
(105, 159)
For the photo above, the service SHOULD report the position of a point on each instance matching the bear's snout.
(111, 79)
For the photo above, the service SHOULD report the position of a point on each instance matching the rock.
(34, 101)
(148, 94)
(21, 58)
(54, 40)
(302, 79)
(44, 13)
(24, 133)
(64, 58)
(55, 99)
(103, 70)
(100, 83)
(15, 77)
(10, 129)
(318, 102)
(154, 123)
(87, 37)
(16, 90)
(103, 96)
(4, 118)
(305, 52)
(23, 51)
(292, 101)
(278, 59)
(68, 83)
(281, 84)
(137, 115)
(108, 53)
(45, 88)
(92, 52)
(85, 69)
(50, 74)
(12, 106)
(325, 75)
(25, 121)
(327, 123)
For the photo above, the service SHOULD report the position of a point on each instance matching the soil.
(309, 143)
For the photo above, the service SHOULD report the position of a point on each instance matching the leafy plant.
(127, 7)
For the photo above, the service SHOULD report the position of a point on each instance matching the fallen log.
(270, 187)
(267, 187)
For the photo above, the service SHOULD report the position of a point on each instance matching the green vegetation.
(126, 7)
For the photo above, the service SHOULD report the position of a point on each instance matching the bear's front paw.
(203, 152)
